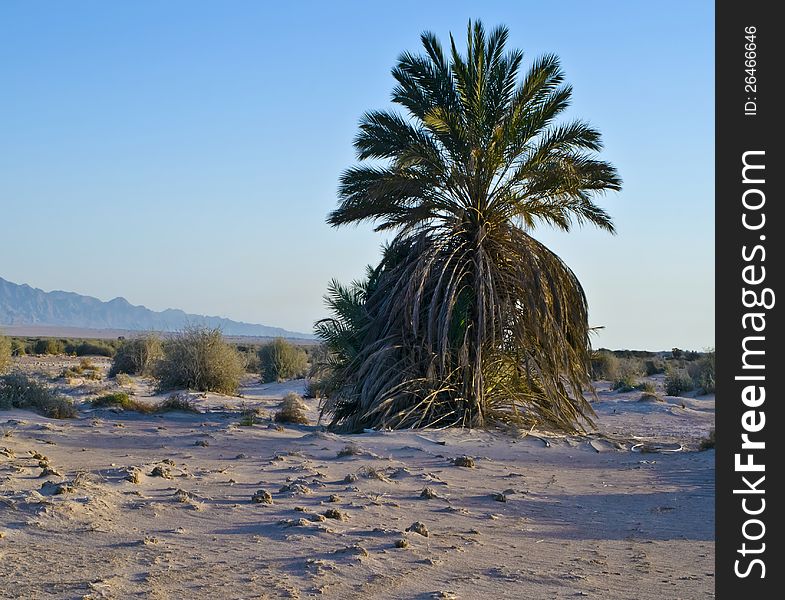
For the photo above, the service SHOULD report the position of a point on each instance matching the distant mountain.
(24, 305)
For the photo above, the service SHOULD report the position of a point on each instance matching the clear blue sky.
(185, 154)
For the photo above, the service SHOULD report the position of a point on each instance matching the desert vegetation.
(198, 358)
(22, 346)
(280, 360)
(468, 319)
(20, 391)
(5, 353)
(137, 356)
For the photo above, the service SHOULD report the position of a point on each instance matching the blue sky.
(185, 154)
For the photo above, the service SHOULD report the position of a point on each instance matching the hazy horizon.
(185, 155)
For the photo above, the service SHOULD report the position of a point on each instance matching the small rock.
(464, 461)
(49, 471)
(334, 498)
(428, 494)
(418, 527)
(499, 497)
(133, 475)
(161, 471)
(402, 543)
(350, 478)
(203, 443)
(333, 513)
(262, 497)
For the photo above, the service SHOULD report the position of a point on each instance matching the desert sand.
(122, 505)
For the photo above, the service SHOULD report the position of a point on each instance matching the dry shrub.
(709, 442)
(292, 410)
(604, 365)
(137, 356)
(126, 402)
(280, 360)
(20, 391)
(677, 382)
(122, 400)
(5, 354)
(198, 358)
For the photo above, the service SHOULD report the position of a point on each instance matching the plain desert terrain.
(123, 505)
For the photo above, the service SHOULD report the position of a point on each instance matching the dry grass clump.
(708, 442)
(292, 410)
(126, 402)
(350, 450)
(604, 365)
(280, 360)
(20, 391)
(177, 402)
(137, 356)
(5, 354)
(703, 372)
(86, 369)
(650, 397)
(198, 358)
(121, 400)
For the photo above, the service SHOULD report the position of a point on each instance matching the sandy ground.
(536, 517)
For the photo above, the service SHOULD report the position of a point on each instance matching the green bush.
(604, 365)
(703, 373)
(627, 375)
(280, 360)
(18, 347)
(198, 358)
(119, 400)
(5, 354)
(94, 349)
(647, 386)
(49, 346)
(654, 366)
(677, 382)
(20, 391)
(137, 356)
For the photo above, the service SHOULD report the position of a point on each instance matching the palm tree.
(470, 319)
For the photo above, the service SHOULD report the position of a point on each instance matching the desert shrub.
(292, 410)
(137, 356)
(198, 358)
(653, 366)
(677, 382)
(709, 441)
(703, 373)
(18, 347)
(647, 386)
(123, 379)
(604, 365)
(94, 349)
(677, 353)
(49, 346)
(120, 400)
(85, 369)
(627, 375)
(280, 360)
(317, 387)
(177, 402)
(5, 354)
(250, 359)
(20, 391)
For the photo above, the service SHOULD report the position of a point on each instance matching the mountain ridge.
(22, 304)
